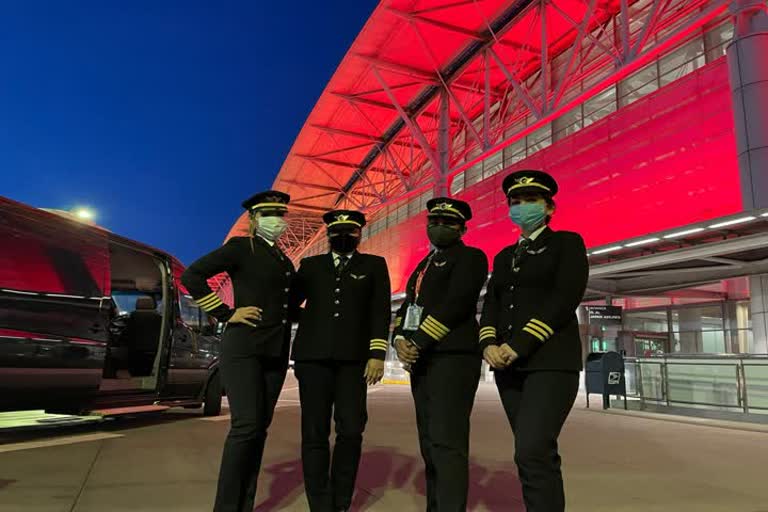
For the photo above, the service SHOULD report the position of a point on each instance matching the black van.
(91, 322)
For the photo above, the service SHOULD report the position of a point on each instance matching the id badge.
(412, 318)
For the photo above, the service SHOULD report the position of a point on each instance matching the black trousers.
(444, 388)
(331, 388)
(252, 385)
(537, 404)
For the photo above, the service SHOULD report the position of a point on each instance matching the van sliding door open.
(138, 319)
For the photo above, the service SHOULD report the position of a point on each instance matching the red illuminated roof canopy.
(437, 84)
(405, 55)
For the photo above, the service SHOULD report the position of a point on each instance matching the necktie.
(522, 247)
(343, 260)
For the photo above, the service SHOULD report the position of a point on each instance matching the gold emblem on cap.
(448, 207)
(527, 181)
(343, 218)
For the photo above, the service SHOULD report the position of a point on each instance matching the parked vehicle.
(92, 322)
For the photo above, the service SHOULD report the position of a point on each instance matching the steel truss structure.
(430, 88)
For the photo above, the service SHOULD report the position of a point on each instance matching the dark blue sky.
(162, 115)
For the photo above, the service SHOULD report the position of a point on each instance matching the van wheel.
(212, 405)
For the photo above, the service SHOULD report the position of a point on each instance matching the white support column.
(749, 82)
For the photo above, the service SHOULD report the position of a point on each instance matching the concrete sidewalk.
(612, 462)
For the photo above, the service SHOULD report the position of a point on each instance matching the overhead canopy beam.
(412, 126)
(643, 275)
(383, 104)
(301, 206)
(720, 248)
(444, 7)
(472, 34)
(516, 85)
(337, 163)
(428, 77)
(306, 184)
(348, 133)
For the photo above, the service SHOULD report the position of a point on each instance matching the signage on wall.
(604, 315)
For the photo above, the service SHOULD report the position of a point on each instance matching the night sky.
(161, 115)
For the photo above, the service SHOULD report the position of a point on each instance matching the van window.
(190, 312)
(125, 301)
(209, 325)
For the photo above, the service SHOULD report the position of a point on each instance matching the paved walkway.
(612, 462)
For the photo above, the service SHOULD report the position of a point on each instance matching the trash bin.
(605, 376)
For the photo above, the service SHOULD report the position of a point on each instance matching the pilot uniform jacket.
(531, 301)
(347, 313)
(449, 292)
(261, 276)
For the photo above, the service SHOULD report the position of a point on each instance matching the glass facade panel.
(701, 318)
(600, 106)
(457, 185)
(493, 164)
(699, 342)
(713, 342)
(646, 321)
(473, 175)
(514, 153)
(425, 197)
(402, 213)
(711, 328)
(539, 139)
(681, 62)
(568, 123)
(414, 206)
(638, 85)
(716, 41)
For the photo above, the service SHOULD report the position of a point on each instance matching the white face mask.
(271, 227)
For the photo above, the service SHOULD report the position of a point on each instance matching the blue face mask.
(529, 216)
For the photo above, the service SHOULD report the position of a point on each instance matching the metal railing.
(723, 382)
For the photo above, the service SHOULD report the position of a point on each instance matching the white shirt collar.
(337, 257)
(536, 233)
(271, 244)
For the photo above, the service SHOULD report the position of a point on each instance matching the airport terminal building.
(652, 115)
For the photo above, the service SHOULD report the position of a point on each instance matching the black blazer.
(346, 316)
(450, 290)
(261, 276)
(531, 303)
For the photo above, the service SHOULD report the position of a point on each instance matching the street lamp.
(83, 213)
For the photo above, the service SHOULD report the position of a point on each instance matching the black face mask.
(443, 236)
(344, 243)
